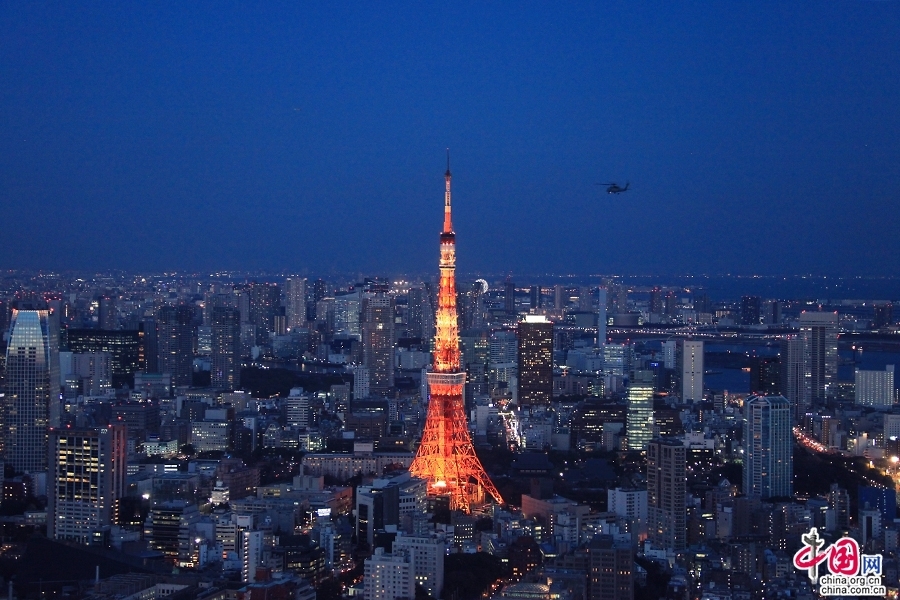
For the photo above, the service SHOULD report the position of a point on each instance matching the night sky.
(758, 137)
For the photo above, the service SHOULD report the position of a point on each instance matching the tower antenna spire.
(448, 223)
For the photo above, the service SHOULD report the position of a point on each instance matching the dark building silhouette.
(264, 300)
(127, 352)
(884, 315)
(175, 342)
(750, 310)
(509, 296)
(226, 348)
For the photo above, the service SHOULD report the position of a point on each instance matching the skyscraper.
(666, 494)
(875, 388)
(692, 371)
(639, 418)
(108, 314)
(420, 315)
(535, 359)
(32, 389)
(768, 447)
(295, 302)
(750, 310)
(264, 299)
(175, 341)
(86, 481)
(226, 348)
(819, 331)
(378, 342)
(792, 383)
(509, 296)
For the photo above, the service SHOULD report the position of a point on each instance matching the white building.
(208, 436)
(297, 409)
(639, 416)
(389, 576)
(427, 553)
(630, 503)
(692, 371)
(875, 388)
(251, 554)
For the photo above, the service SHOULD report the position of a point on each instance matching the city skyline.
(235, 133)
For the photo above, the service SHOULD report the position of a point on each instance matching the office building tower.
(666, 494)
(175, 340)
(31, 403)
(470, 305)
(772, 314)
(875, 388)
(839, 503)
(127, 351)
(585, 299)
(446, 457)
(655, 305)
(509, 296)
(819, 332)
(265, 298)
(534, 296)
(85, 483)
(669, 354)
(389, 576)
(601, 316)
(93, 369)
(884, 315)
(692, 371)
(559, 297)
(378, 342)
(765, 375)
(225, 361)
(295, 302)
(639, 417)
(768, 447)
(108, 313)
(616, 359)
(296, 409)
(791, 359)
(535, 361)
(750, 310)
(427, 553)
(347, 307)
(420, 314)
(611, 569)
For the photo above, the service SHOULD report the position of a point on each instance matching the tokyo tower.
(446, 458)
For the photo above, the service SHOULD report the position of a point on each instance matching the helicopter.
(614, 188)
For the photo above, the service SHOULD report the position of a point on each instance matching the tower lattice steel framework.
(446, 458)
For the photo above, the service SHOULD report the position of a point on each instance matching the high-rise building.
(378, 342)
(225, 359)
(389, 576)
(819, 331)
(875, 388)
(346, 314)
(768, 447)
(666, 494)
(295, 302)
(296, 409)
(534, 296)
(692, 371)
(127, 350)
(509, 296)
(31, 404)
(791, 369)
(750, 310)
(611, 569)
(884, 315)
(264, 299)
(504, 347)
(175, 341)
(639, 418)
(85, 482)
(420, 317)
(109, 313)
(446, 457)
(535, 361)
(427, 552)
(559, 297)
(601, 316)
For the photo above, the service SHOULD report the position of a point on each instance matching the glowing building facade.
(446, 458)
(32, 389)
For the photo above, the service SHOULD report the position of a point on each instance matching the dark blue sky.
(758, 137)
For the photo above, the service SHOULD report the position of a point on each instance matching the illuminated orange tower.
(446, 458)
